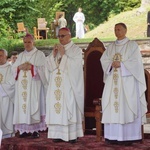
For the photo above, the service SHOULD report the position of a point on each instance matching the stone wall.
(144, 45)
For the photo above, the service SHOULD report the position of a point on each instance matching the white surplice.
(65, 95)
(30, 92)
(123, 102)
(6, 101)
(79, 19)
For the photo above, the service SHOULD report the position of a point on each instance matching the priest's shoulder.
(132, 42)
(40, 52)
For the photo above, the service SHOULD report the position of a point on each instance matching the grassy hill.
(136, 24)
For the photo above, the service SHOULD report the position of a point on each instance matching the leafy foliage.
(27, 11)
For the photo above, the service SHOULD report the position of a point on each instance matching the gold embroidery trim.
(58, 94)
(24, 108)
(57, 107)
(58, 80)
(116, 105)
(116, 92)
(115, 78)
(24, 83)
(1, 78)
(24, 95)
(25, 74)
(117, 57)
(58, 73)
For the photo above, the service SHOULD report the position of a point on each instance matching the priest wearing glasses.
(65, 96)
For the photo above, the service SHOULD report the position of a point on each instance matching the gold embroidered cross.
(116, 105)
(58, 73)
(25, 75)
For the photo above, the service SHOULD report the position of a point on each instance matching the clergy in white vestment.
(123, 101)
(30, 86)
(6, 97)
(79, 19)
(65, 94)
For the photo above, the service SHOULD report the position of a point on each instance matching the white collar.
(30, 52)
(122, 42)
(67, 46)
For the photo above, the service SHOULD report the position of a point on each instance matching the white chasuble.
(64, 101)
(6, 101)
(123, 100)
(29, 105)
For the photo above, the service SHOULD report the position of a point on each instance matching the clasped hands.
(58, 48)
(25, 66)
(116, 64)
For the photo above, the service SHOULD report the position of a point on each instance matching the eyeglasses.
(62, 36)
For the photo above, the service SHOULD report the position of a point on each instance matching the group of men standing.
(43, 92)
(38, 92)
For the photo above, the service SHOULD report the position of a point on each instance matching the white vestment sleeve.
(63, 63)
(124, 71)
(8, 89)
(2, 92)
(109, 69)
(42, 74)
(51, 64)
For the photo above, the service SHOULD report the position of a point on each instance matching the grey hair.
(5, 52)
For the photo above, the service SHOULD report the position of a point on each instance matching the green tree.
(27, 11)
(96, 11)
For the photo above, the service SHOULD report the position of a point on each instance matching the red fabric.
(66, 29)
(94, 78)
(18, 70)
(32, 70)
(88, 142)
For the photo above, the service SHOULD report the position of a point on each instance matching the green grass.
(51, 42)
(136, 24)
